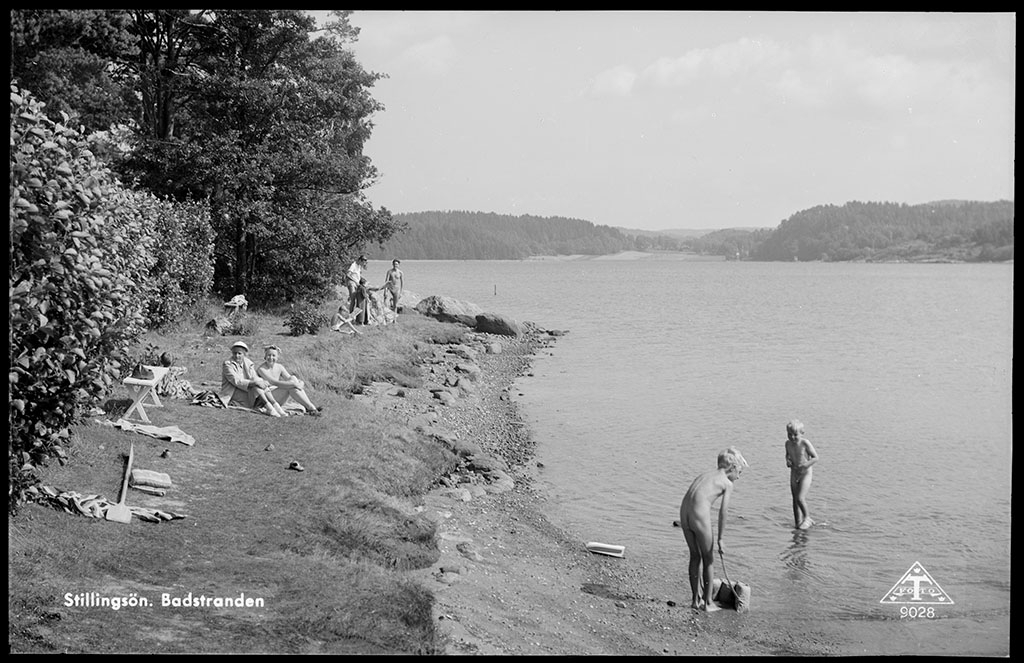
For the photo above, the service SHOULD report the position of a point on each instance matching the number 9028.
(915, 612)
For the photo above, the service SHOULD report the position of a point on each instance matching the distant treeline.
(460, 235)
(941, 231)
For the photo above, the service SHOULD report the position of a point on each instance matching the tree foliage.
(80, 258)
(269, 125)
(239, 136)
(182, 273)
(251, 110)
(63, 57)
(459, 235)
(962, 230)
(733, 243)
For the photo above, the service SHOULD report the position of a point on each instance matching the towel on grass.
(172, 433)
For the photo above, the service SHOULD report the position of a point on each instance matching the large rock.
(472, 371)
(499, 482)
(496, 323)
(447, 309)
(407, 301)
(484, 463)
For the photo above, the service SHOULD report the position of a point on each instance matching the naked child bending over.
(800, 456)
(695, 521)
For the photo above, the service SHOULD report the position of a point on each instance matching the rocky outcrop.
(447, 309)
(496, 323)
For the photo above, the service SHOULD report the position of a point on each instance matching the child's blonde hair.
(731, 458)
(794, 428)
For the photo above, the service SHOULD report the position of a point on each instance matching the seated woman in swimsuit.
(285, 384)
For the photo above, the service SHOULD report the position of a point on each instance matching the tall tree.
(254, 110)
(269, 124)
(64, 57)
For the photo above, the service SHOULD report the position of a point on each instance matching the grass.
(325, 548)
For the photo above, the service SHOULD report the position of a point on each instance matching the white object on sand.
(609, 549)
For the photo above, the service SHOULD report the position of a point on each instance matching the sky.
(676, 119)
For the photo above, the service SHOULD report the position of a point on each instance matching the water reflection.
(795, 557)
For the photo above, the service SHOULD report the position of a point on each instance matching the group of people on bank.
(265, 388)
(268, 387)
(361, 300)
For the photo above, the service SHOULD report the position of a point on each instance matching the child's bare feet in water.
(806, 524)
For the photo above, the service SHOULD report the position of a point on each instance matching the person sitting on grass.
(284, 384)
(343, 319)
(241, 385)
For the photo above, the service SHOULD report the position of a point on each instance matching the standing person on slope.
(394, 283)
(352, 277)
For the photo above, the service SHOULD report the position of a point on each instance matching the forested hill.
(940, 231)
(459, 235)
(945, 231)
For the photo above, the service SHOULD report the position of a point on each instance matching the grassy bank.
(326, 549)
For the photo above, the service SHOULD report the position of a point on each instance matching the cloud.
(826, 72)
(387, 29)
(834, 72)
(744, 56)
(617, 81)
(434, 57)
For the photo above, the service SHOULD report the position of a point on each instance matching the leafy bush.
(243, 324)
(81, 250)
(150, 355)
(305, 319)
(183, 273)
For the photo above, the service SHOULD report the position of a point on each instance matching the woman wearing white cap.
(241, 385)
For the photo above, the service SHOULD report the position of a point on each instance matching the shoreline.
(509, 582)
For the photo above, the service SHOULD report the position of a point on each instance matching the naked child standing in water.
(800, 457)
(695, 521)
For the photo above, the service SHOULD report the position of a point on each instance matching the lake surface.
(901, 373)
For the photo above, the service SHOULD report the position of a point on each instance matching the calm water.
(901, 373)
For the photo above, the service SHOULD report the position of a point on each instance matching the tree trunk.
(241, 258)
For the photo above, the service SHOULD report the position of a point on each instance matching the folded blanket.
(149, 478)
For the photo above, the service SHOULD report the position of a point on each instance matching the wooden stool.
(140, 389)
